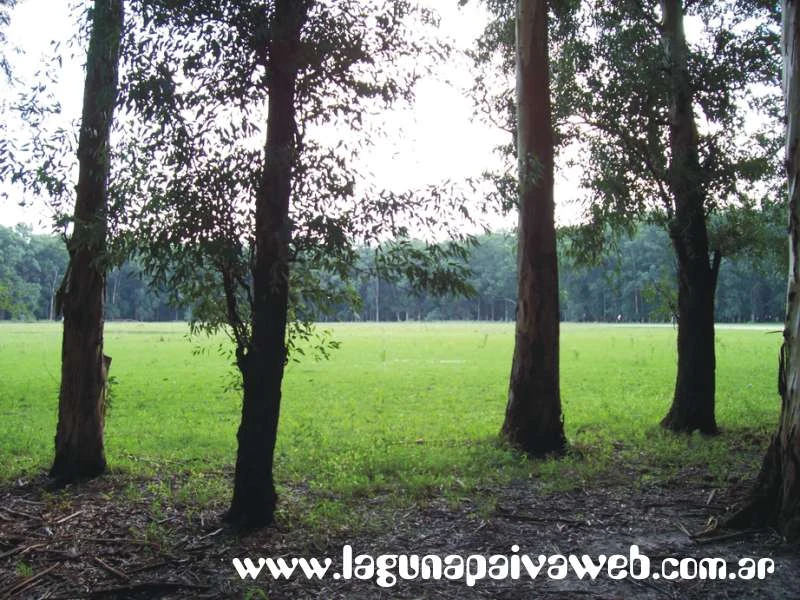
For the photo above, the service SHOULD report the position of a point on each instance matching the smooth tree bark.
(693, 402)
(84, 367)
(775, 501)
(533, 421)
(262, 362)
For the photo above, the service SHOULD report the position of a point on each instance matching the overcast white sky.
(438, 140)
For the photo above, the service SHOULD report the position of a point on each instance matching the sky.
(35, 25)
(438, 139)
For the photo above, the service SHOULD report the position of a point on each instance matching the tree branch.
(634, 147)
(232, 308)
(649, 18)
(716, 261)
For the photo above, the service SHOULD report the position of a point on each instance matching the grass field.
(402, 410)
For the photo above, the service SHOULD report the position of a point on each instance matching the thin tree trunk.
(115, 288)
(51, 314)
(262, 363)
(775, 501)
(693, 402)
(533, 420)
(377, 299)
(84, 368)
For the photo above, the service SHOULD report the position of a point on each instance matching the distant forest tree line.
(634, 282)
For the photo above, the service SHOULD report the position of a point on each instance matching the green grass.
(401, 411)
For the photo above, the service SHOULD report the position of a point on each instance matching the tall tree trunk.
(533, 420)
(84, 368)
(776, 499)
(693, 402)
(262, 363)
(51, 314)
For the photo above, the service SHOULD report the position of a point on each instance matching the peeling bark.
(775, 500)
(81, 298)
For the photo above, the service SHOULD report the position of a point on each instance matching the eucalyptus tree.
(776, 498)
(243, 227)
(667, 129)
(684, 175)
(533, 420)
(79, 445)
(672, 127)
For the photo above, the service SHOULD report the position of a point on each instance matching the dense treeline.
(32, 267)
(635, 282)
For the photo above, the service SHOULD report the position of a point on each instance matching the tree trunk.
(84, 368)
(262, 363)
(51, 314)
(377, 299)
(693, 402)
(776, 499)
(533, 420)
(115, 288)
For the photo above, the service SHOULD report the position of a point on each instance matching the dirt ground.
(90, 542)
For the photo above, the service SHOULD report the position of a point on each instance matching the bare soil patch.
(92, 541)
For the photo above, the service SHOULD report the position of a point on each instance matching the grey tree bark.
(775, 501)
